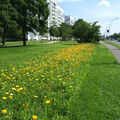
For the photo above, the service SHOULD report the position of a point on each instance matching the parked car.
(118, 40)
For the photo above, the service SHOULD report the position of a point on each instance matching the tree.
(95, 32)
(7, 16)
(33, 15)
(81, 30)
(115, 36)
(65, 31)
(54, 31)
(43, 13)
(86, 32)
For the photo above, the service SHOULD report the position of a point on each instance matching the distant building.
(69, 20)
(56, 14)
(56, 17)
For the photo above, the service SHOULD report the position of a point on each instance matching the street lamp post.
(110, 25)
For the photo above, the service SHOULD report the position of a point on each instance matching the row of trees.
(18, 17)
(115, 36)
(81, 31)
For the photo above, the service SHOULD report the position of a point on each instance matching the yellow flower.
(23, 105)
(10, 97)
(42, 76)
(45, 96)
(37, 79)
(48, 101)
(21, 88)
(7, 116)
(4, 111)
(17, 86)
(4, 98)
(7, 93)
(35, 96)
(18, 90)
(13, 88)
(24, 93)
(34, 117)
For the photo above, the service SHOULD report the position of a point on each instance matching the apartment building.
(69, 20)
(56, 17)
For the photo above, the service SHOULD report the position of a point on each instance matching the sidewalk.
(114, 50)
(51, 42)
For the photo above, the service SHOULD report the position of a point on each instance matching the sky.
(103, 11)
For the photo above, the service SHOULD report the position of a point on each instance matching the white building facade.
(69, 20)
(56, 17)
(56, 14)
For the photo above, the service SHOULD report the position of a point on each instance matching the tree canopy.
(8, 14)
(86, 32)
(65, 31)
(115, 36)
(27, 15)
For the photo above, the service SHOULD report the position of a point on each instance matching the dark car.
(118, 40)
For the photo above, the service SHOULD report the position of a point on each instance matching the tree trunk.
(24, 29)
(24, 36)
(4, 36)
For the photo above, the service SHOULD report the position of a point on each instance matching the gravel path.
(51, 42)
(114, 50)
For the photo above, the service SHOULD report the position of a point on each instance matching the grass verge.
(118, 46)
(19, 54)
(99, 96)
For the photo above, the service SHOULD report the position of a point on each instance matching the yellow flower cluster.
(38, 81)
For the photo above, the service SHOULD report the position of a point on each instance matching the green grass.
(118, 46)
(21, 42)
(45, 86)
(18, 55)
(80, 89)
(99, 96)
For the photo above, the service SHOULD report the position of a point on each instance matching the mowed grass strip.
(20, 54)
(99, 97)
(118, 46)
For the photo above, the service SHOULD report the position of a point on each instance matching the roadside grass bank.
(99, 95)
(118, 46)
(20, 54)
(21, 42)
(46, 86)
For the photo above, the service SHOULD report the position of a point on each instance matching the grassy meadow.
(62, 81)
(19, 54)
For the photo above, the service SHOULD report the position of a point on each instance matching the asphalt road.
(114, 50)
(116, 42)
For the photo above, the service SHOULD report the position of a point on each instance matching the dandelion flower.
(34, 117)
(7, 117)
(4, 98)
(35, 96)
(10, 97)
(4, 111)
(23, 105)
(48, 101)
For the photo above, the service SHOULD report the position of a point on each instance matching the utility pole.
(110, 25)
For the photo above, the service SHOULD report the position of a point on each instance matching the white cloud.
(119, 5)
(68, 0)
(107, 13)
(105, 3)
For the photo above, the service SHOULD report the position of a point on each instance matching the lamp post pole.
(110, 25)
